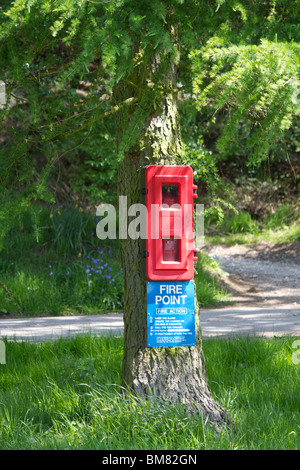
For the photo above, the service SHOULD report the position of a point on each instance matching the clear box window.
(169, 194)
(170, 249)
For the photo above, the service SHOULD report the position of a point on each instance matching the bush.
(240, 223)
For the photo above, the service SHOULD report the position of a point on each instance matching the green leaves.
(61, 61)
(254, 83)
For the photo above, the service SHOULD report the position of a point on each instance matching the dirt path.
(260, 274)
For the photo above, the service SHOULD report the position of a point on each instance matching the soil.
(260, 274)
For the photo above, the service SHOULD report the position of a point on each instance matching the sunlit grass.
(66, 395)
(207, 281)
(279, 224)
(286, 234)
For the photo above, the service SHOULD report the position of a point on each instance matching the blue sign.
(170, 313)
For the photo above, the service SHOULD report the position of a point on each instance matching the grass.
(287, 234)
(207, 281)
(281, 225)
(66, 395)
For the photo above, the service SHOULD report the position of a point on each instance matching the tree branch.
(110, 112)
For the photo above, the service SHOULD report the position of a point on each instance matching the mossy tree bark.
(175, 374)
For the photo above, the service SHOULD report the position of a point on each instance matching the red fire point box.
(169, 194)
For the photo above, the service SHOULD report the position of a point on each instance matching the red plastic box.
(169, 194)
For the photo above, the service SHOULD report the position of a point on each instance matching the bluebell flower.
(50, 274)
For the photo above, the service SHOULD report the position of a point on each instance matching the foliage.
(258, 82)
(239, 223)
(207, 282)
(69, 228)
(62, 62)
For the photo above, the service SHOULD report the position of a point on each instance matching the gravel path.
(256, 275)
(265, 286)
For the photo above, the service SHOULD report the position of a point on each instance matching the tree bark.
(174, 374)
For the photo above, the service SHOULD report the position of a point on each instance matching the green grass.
(287, 234)
(279, 225)
(66, 395)
(207, 281)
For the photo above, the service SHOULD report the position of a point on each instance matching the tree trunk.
(173, 374)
